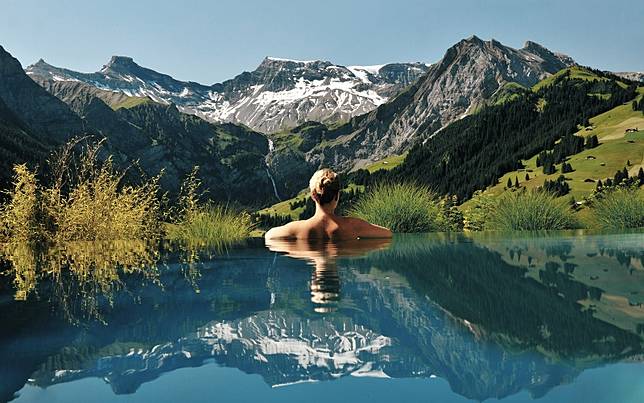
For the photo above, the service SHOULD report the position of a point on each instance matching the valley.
(254, 149)
(357, 201)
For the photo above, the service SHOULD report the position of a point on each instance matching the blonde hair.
(325, 184)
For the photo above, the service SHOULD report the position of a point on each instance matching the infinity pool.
(518, 317)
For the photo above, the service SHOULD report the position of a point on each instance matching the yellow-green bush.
(85, 199)
(20, 217)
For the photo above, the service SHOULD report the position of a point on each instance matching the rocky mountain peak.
(271, 60)
(289, 66)
(534, 46)
(473, 39)
(121, 63)
(466, 78)
(41, 62)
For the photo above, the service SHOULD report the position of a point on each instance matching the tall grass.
(196, 224)
(401, 207)
(531, 210)
(211, 225)
(619, 209)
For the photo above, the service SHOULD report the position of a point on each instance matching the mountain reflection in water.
(493, 315)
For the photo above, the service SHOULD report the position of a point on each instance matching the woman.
(325, 224)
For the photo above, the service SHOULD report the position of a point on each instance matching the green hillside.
(573, 73)
(283, 208)
(386, 163)
(616, 148)
(472, 153)
(130, 102)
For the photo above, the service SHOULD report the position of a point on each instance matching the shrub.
(619, 209)
(19, 218)
(477, 216)
(85, 200)
(531, 210)
(401, 207)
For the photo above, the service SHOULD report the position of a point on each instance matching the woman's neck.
(324, 211)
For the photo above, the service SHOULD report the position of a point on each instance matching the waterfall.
(271, 147)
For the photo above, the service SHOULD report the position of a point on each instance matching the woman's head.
(325, 186)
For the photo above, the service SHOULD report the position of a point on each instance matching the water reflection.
(79, 276)
(493, 315)
(323, 255)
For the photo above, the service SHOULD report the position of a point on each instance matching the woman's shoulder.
(365, 229)
(285, 231)
(353, 221)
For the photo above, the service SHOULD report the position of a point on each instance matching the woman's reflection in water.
(323, 255)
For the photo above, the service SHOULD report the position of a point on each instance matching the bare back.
(329, 227)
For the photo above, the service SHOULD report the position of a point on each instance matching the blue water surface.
(549, 317)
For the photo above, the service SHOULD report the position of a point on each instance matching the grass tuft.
(619, 209)
(401, 207)
(197, 225)
(530, 211)
(211, 226)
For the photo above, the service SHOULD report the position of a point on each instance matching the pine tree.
(640, 176)
(516, 182)
(527, 176)
(509, 185)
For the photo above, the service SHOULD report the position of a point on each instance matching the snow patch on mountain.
(281, 93)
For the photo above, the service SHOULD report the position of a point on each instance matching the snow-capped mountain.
(632, 75)
(279, 94)
(470, 74)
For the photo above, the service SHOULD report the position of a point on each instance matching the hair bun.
(325, 182)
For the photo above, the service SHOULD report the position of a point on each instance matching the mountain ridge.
(153, 136)
(279, 93)
(467, 77)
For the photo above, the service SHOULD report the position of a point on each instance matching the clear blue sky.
(210, 41)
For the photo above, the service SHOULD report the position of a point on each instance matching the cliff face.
(39, 111)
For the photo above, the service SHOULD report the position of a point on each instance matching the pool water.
(517, 317)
